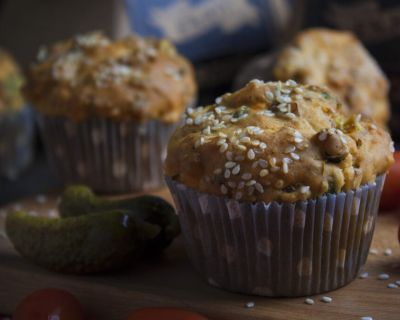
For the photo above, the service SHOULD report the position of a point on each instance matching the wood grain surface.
(171, 281)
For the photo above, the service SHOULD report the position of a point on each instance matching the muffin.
(277, 189)
(106, 108)
(337, 60)
(16, 124)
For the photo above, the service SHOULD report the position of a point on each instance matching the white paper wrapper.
(108, 156)
(278, 249)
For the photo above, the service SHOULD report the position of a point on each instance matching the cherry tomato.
(164, 314)
(49, 303)
(391, 191)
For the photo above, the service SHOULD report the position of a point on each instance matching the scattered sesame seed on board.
(326, 299)
(387, 252)
(383, 276)
(249, 305)
(397, 282)
(363, 275)
(366, 318)
(309, 301)
(392, 286)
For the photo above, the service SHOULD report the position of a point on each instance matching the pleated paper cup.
(108, 156)
(278, 249)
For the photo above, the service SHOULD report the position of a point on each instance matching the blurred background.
(229, 42)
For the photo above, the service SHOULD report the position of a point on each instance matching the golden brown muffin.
(277, 141)
(338, 60)
(129, 79)
(11, 81)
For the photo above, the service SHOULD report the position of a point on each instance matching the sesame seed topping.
(250, 304)
(295, 156)
(218, 100)
(387, 252)
(250, 154)
(272, 161)
(263, 163)
(373, 251)
(290, 149)
(290, 115)
(326, 299)
(322, 136)
(263, 145)
(392, 286)
(298, 140)
(254, 165)
(245, 139)
(246, 176)
(189, 121)
(224, 190)
(236, 169)
(264, 172)
(229, 155)
(230, 164)
(227, 173)
(363, 275)
(366, 318)
(199, 142)
(391, 147)
(270, 96)
(309, 301)
(291, 83)
(222, 135)
(285, 167)
(259, 187)
(223, 147)
(383, 276)
(251, 183)
(232, 184)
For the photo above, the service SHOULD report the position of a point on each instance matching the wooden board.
(171, 281)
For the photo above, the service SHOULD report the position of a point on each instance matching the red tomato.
(391, 191)
(49, 304)
(164, 314)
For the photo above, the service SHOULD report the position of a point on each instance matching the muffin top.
(338, 60)
(131, 79)
(11, 81)
(277, 141)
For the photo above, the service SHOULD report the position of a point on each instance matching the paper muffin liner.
(108, 156)
(16, 142)
(278, 249)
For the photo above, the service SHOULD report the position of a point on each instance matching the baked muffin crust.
(11, 81)
(129, 79)
(337, 60)
(276, 141)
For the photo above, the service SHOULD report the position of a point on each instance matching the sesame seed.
(263, 163)
(250, 190)
(290, 149)
(298, 140)
(218, 100)
(304, 189)
(373, 126)
(295, 156)
(238, 195)
(222, 135)
(366, 318)
(291, 83)
(274, 169)
(207, 130)
(392, 286)
(270, 96)
(387, 252)
(199, 142)
(363, 275)
(250, 154)
(227, 174)
(240, 147)
(246, 176)
(290, 115)
(286, 160)
(245, 139)
(233, 120)
(217, 171)
(223, 147)
(257, 82)
(283, 99)
(230, 164)
(309, 301)
(264, 172)
(373, 251)
(189, 121)
(239, 157)
(198, 120)
(285, 167)
(254, 165)
(322, 136)
(263, 145)
(358, 117)
(250, 304)
(255, 142)
(397, 282)
(229, 155)
(224, 190)
(272, 161)
(259, 187)
(251, 183)
(383, 276)
(326, 299)
(241, 185)
(232, 184)
(298, 90)
(236, 169)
